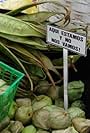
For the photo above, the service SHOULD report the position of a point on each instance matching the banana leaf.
(47, 65)
(14, 26)
(15, 59)
(45, 61)
(34, 57)
(37, 17)
(30, 41)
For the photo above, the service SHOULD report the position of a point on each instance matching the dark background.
(83, 67)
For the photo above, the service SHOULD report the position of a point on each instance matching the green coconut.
(78, 103)
(24, 114)
(16, 127)
(41, 101)
(53, 92)
(51, 117)
(82, 125)
(42, 87)
(40, 119)
(59, 102)
(75, 90)
(29, 129)
(76, 112)
(58, 118)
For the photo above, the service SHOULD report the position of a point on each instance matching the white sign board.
(71, 41)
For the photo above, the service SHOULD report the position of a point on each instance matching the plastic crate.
(12, 77)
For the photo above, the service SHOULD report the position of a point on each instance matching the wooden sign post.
(68, 41)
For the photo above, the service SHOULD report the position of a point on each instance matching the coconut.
(24, 114)
(76, 112)
(59, 102)
(40, 119)
(78, 103)
(41, 101)
(29, 129)
(51, 117)
(53, 92)
(82, 125)
(58, 118)
(75, 90)
(42, 87)
(16, 127)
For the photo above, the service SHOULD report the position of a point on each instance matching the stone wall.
(80, 9)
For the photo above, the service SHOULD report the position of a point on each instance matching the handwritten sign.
(71, 41)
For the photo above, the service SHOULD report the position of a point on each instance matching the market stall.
(52, 92)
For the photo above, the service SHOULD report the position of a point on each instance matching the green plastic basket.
(12, 77)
